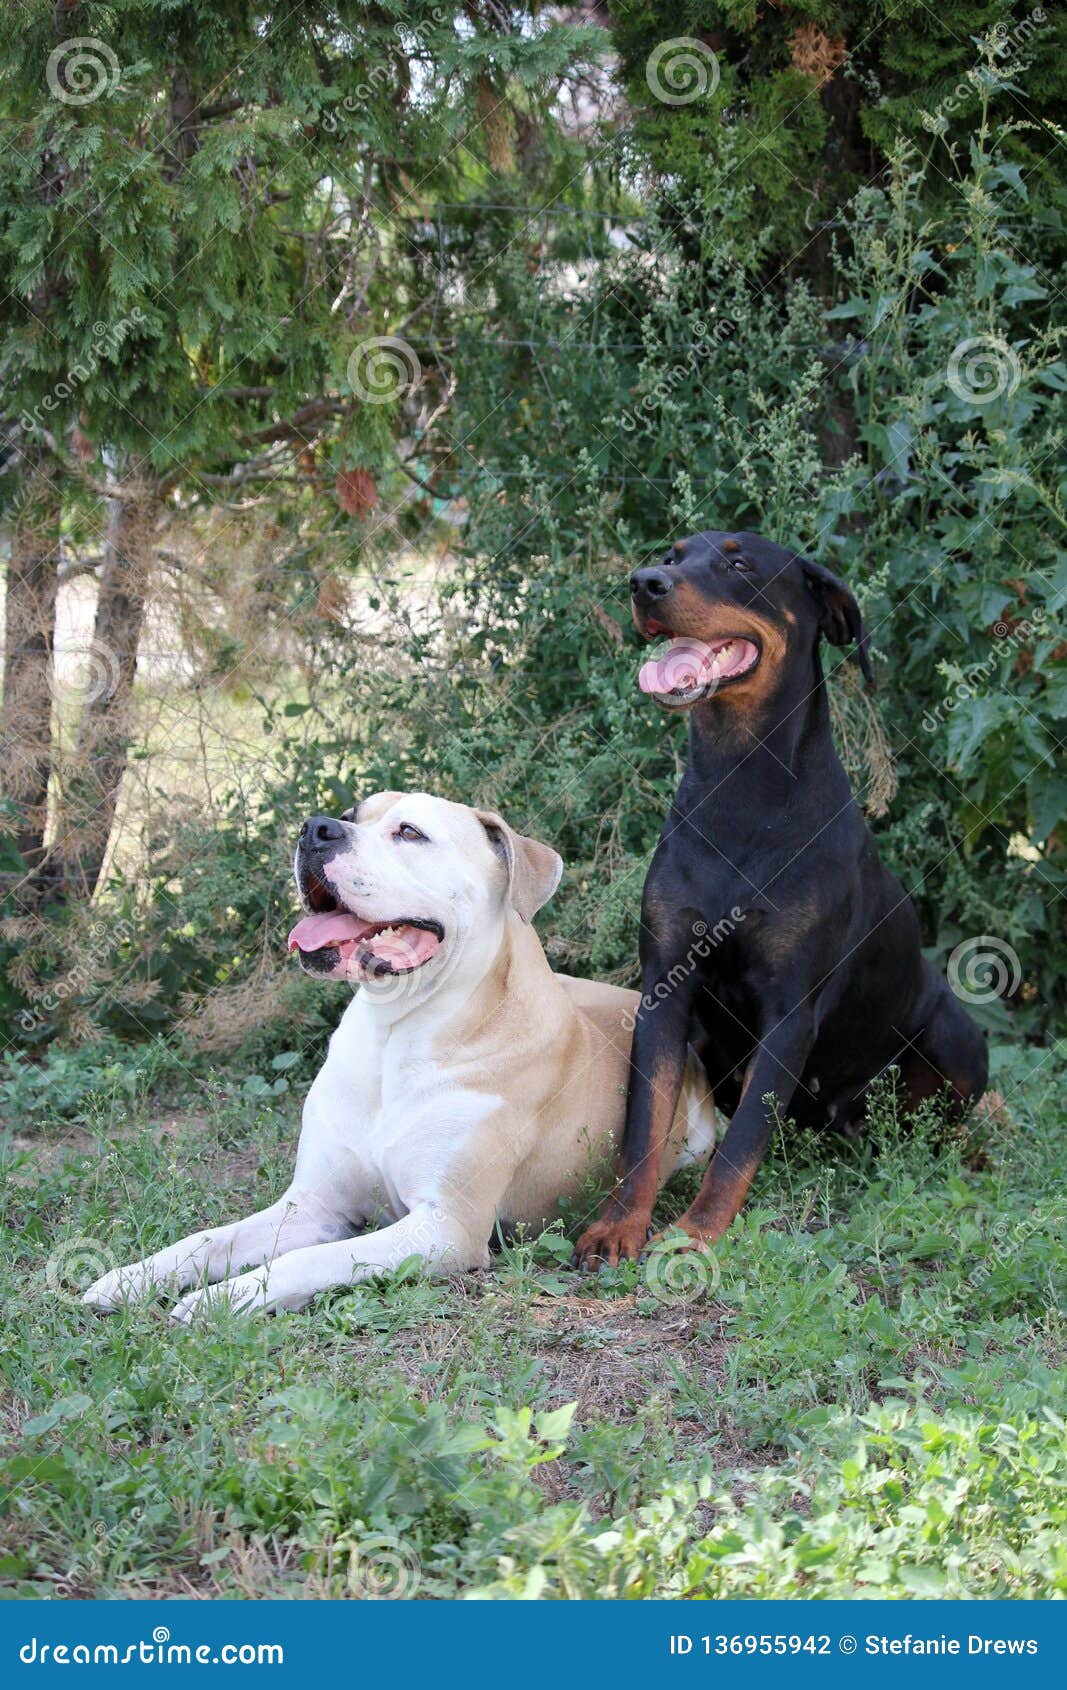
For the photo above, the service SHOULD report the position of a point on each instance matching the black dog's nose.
(321, 830)
(650, 584)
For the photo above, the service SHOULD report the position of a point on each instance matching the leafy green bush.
(942, 511)
(89, 1083)
(888, 1503)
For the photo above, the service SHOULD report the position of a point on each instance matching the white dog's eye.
(408, 833)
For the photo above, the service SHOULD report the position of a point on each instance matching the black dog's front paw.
(610, 1241)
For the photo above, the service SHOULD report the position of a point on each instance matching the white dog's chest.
(383, 1116)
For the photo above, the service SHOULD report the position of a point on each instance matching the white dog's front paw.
(248, 1292)
(121, 1285)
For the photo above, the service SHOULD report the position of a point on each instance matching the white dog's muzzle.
(333, 938)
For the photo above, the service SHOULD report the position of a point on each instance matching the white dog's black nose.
(321, 830)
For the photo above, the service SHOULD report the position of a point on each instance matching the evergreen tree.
(762, 121)
(205, 213)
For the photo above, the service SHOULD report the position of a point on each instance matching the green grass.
(858, 1392)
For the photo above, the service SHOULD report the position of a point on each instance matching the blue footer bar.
(428, 1644)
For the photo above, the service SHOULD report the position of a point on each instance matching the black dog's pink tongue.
(685, 663)
(315, 932)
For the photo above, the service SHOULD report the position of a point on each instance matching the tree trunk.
(29, 635)
(104, 731)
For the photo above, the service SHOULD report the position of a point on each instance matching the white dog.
(465, 1084)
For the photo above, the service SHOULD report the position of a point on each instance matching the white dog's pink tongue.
(315, 932)
(685, 663)
(401, 946)
(404, 946)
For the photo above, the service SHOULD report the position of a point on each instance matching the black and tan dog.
(812, 983)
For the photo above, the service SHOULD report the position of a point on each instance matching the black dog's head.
(741, 614)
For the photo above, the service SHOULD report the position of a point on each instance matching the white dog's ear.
(534, 870)
(369, 809)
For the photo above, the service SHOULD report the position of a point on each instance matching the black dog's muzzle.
(648, 586)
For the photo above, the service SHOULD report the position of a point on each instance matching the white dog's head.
(411, 887)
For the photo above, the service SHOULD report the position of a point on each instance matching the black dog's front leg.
(658, 1058)
(773, 1074)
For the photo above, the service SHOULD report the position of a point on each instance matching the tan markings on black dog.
(777, 939)
(692, 617)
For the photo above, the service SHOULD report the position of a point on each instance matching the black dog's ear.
(839, 614)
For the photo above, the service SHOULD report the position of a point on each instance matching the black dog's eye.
(739, 563)
(409, 834)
